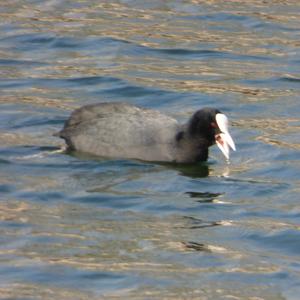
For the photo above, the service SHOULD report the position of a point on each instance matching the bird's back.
(121, 130)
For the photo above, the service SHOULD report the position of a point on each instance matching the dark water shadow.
(192, 170)
(197, 170)
(204, 197)
(196, 223)
(196, 247)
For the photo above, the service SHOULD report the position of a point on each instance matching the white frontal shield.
(224, 140)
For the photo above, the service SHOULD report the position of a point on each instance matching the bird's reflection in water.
(198, 170)
(196, 223)
(196, 246)
(204, 197)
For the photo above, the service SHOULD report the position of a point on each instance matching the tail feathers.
(62, 134)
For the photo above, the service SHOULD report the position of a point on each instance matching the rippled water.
(76, 227)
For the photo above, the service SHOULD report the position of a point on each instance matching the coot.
(122, 130)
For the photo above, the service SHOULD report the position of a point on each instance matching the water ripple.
(76, 226)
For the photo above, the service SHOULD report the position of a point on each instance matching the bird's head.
(211, 125)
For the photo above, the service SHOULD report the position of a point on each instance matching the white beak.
(224, 139)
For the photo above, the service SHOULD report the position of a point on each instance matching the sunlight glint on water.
(81, 227)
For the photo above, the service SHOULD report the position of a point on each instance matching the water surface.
(77, 227)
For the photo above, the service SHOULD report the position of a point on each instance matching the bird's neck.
(191, 148)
